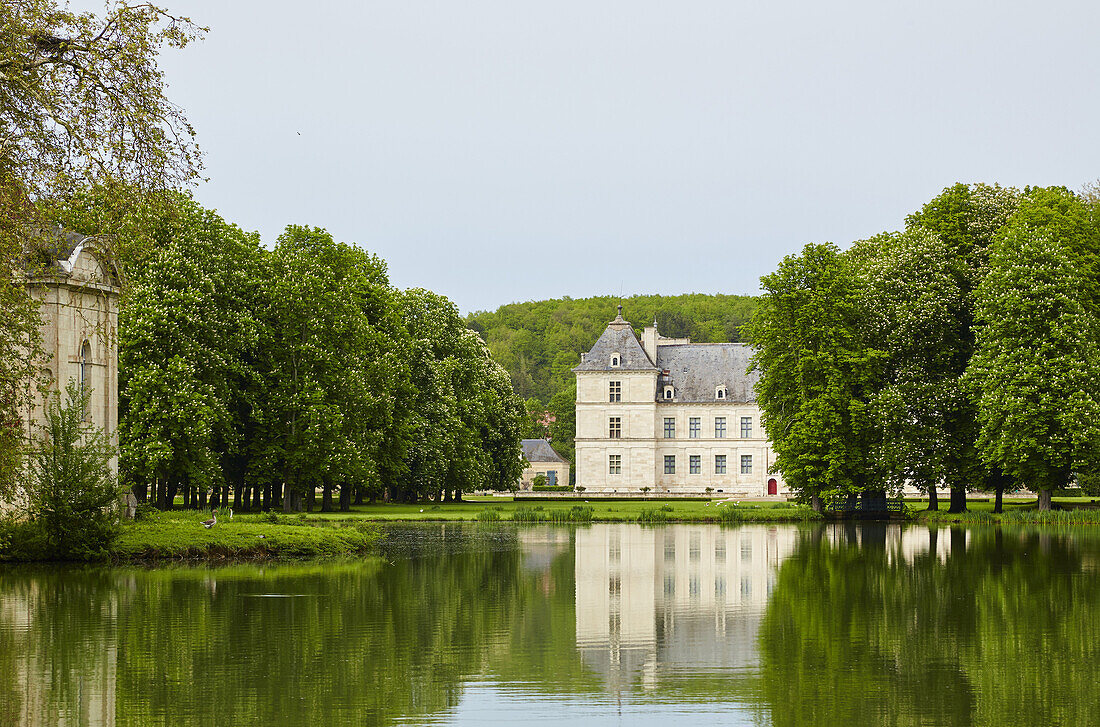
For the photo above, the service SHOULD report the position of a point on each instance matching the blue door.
(552, 477)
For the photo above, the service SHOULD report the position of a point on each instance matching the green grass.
(1015, 510)
(569, 511)
(180, 535)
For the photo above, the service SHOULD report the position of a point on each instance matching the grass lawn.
(180, 535)
(505, 509)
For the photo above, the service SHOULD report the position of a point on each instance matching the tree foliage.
(818, 374)
(1036, 371)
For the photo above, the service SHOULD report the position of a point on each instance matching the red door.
(773, 487)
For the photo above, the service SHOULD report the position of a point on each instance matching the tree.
(188, 339)
(81, 101)
(1036, 369)
(817, 375)
(911, 281)
(71, 485)
(82, 97)
(965, 219)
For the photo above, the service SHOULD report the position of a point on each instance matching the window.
(670, 464)
(746, 427)
(670, 428)
(720, 392)
(746, 464)
(615, 360)
(693, 464)
(720, 551)
(614, 464)
(670, 549)
(668, 392)
(615, 391)
(693, 427)
(615, 428)
(85, 354)
(719, 464)
(719, 427)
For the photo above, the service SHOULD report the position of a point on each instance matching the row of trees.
(960, 352)
(264, 376)
(246, 374)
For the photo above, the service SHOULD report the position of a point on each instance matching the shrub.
(539, 481)
(71, 487)
(551, 488)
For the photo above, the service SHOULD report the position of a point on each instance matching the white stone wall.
(642, 445)
(78, 308)
(536, 468)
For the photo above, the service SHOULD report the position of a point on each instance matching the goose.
(211, 522)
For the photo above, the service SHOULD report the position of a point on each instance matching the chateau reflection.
(692, 597)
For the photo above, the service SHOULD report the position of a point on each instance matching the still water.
(606, 624)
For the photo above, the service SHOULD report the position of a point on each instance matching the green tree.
(964, 218)
(1036, 370)
(913, 288)
(71, 487)
(817, 375)
(188, 340)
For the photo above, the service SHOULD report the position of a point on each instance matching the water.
(607, 624)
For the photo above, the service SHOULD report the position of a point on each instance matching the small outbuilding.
(542, 459)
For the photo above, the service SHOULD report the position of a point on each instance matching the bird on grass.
(211, 522)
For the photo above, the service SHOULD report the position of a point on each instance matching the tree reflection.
(998, 627)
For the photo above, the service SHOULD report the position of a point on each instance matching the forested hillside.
(540, 342)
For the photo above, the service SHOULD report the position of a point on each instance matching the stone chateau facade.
(670, 415)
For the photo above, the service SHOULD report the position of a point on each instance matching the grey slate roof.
(617, 338)
(696, 370)
(539, 450)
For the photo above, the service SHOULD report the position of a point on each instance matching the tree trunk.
(257, 498)
(202, 499)
(358, 495)
(188, 497)
(288, 499)
(933, 541)
(933, 499)
(141, 492)
(311, 499)
(345, 497)
(1044, 500)
(170, 499)
(815, 502)
(239, 497)
(458, 495)
(997, 503)
(326, 496)
(958, 499)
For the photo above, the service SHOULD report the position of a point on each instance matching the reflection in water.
(465, 625)
(649, 598)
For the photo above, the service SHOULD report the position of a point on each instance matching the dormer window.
(668, 393)
(615, 359)
(720, 393)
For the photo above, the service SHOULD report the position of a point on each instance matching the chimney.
(649, 342)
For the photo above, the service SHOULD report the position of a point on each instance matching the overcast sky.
(502, 150)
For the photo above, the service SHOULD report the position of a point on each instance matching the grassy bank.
(504, 509)
(1068, 511)
(180, 535)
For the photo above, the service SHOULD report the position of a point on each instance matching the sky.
(503, 150)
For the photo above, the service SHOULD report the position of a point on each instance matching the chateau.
(669, 415)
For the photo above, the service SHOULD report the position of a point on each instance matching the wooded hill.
(540, 342)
